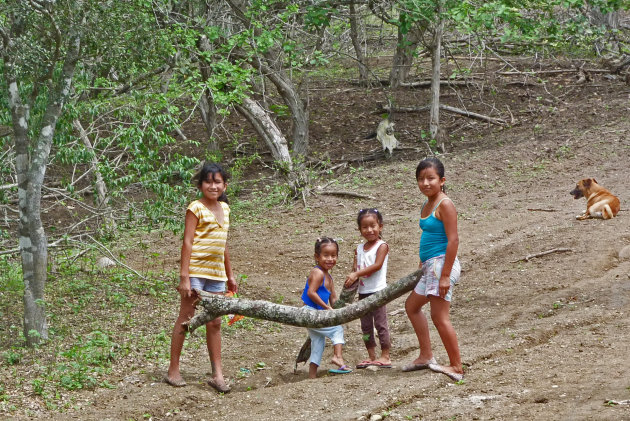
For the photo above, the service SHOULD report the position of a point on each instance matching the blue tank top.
(323, 293)
(433, 240)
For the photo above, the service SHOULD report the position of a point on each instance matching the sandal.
(365, 364)
(414, 367)
(344, 369)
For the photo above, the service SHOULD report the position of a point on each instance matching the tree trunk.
(403, 57)
(31, 161)
(102, 199)
(270, 64)
(207, 109)
(291, 97)
(213, 306)
(354, 36)
(267, 129)
(434, 119)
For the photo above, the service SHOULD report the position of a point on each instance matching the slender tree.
(48, 89)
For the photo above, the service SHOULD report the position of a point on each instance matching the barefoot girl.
(440, 271)
(205, 265)
(370, 270)
(319, 293)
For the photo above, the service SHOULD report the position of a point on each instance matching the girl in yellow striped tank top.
(205, 265)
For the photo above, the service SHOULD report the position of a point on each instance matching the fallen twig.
(448, 108)
(396, 312)
(541, 210)
(542, 253)
(106, 250)
(614, 402)
(345, 193)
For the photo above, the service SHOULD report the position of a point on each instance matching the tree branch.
(214, 306)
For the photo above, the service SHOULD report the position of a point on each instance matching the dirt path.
(546, 338)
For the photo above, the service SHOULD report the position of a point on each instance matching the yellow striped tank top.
(207, 259)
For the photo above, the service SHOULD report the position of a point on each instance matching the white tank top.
(376, 281)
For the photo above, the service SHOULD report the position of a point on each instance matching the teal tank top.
(433, 240)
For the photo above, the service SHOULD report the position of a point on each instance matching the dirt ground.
(544, 338)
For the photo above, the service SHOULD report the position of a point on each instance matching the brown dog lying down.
(600, 203)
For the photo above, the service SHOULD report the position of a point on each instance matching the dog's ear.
(587, 183)
(594, 181)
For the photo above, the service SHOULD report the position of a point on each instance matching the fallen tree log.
(213, 306)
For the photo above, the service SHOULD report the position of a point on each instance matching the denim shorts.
(208, 285)
(318, 340)
(429, 283)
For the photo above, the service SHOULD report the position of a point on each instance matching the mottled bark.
(31, 156)
(213, 306)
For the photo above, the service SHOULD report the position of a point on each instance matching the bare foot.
(421, 360)
(175, 381)
(337, 361)
(383, 361)
(454, 373)
(219, 385)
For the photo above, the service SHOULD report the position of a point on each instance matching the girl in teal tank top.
(440, 272)
(433, 240)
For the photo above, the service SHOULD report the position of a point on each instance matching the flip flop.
(415, 367)
(381, 365)
(344, 369)
(221, 388)
(174, 383)
(365, 364)
(456, 377)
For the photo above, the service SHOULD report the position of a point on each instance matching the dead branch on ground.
(454, 110)
(542, 253)
(343, 194)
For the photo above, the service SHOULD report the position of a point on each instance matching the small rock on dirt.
(624, 253)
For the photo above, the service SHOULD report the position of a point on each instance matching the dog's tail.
(607, 212)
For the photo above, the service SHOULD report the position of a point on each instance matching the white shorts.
(429, 283)
(318, 340)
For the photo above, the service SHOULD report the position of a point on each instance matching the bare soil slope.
(545, 338)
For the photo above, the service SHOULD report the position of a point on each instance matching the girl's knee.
(412, 306)
(214, 324)
(440, 320)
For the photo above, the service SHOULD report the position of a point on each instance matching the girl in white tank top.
(369, 272)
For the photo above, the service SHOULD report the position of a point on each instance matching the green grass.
(101, 323)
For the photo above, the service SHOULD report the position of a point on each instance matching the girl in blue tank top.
(440, 272)
(319, 293)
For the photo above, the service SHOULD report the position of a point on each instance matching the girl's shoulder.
(446, 201)
(316, 274)
(225, 206)
(195, 206)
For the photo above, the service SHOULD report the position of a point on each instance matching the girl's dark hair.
(211, 169)
(431, 162)
(324, 240)
(369, 211)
